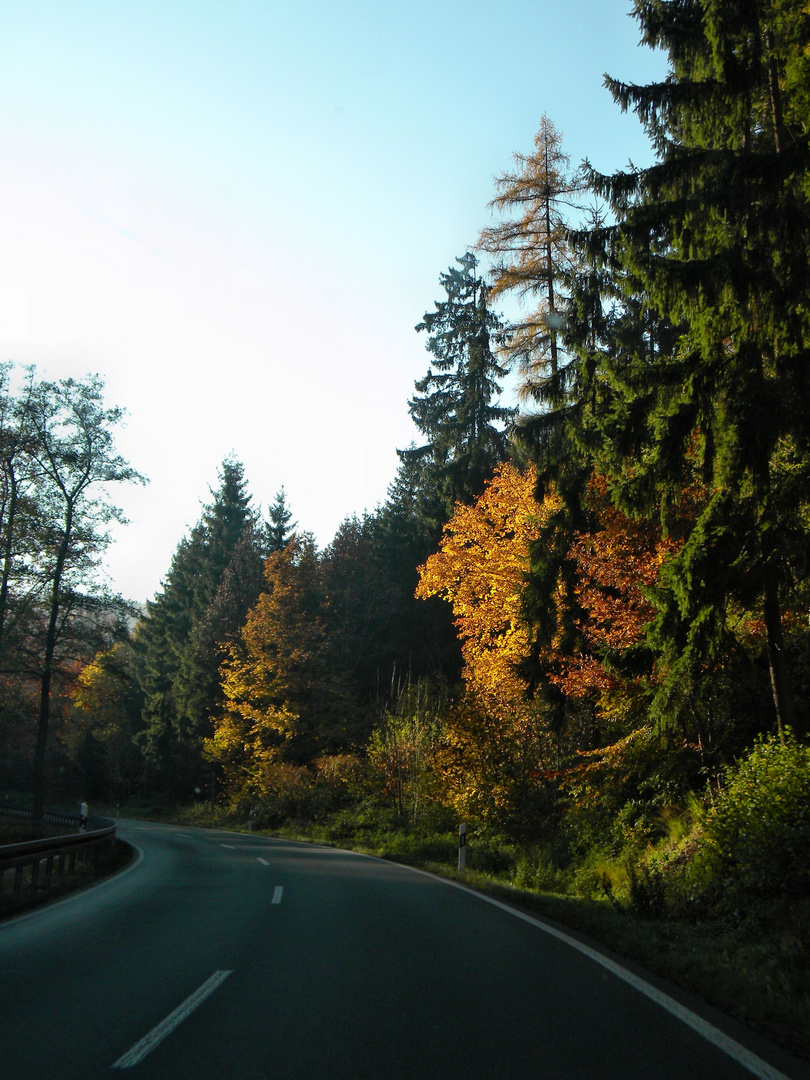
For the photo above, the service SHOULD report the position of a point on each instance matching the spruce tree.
(453, 407)
(717, 235)
(281, 526)
(177, 642)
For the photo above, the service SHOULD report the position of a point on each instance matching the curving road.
(221, 956)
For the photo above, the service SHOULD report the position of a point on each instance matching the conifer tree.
(177, 644)
(534, 257)
(453, 407)
(717, 235)
(281, 526)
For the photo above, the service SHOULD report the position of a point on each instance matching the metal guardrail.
(50, 817)
(54, 853)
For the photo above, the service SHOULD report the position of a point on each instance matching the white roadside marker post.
(462, 847)
(83, 815)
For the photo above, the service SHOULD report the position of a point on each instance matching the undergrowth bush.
(757, 835)
(539, 873)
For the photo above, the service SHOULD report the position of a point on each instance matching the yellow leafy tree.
(481, 569)
(495, 739)
(282, 697)
(102, 722)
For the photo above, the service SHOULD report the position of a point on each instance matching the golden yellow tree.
(495, 738)
(283, 702)
(481, 569)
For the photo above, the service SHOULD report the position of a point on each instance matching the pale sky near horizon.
(236, 212)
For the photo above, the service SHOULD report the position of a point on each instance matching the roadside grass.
(749, 964)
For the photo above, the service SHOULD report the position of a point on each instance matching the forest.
(581, 626)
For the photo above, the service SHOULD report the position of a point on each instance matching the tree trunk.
(8, 546)
(774, 93)
(47, 673)
(550, 268)
(780, 679)
(39, 753)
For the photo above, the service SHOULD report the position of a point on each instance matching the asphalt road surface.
(221, 956)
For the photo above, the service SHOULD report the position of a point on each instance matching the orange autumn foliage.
(616, 565)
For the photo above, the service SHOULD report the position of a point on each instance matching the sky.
(236, 212)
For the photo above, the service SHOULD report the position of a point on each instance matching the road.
(221, 956)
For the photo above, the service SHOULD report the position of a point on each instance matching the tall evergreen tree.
(453, 407)
(177, 643)
(281, 526)
(717, 234)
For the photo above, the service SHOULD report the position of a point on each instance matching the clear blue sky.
(236, 212)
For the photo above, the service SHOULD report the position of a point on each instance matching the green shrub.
(757, 836)
(537, 872)
(646, 891)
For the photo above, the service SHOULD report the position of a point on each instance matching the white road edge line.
(739, 1053)
(148, 1043)
(264, 862)
(278, 892)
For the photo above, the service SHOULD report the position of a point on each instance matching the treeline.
(262, 656)
(568, 621)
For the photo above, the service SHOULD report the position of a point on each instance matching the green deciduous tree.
(19, 516)
(71, 461)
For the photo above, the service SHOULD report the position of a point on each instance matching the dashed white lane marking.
(231, 846)
(148, 1043)
(263, 861)
(278, 892)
